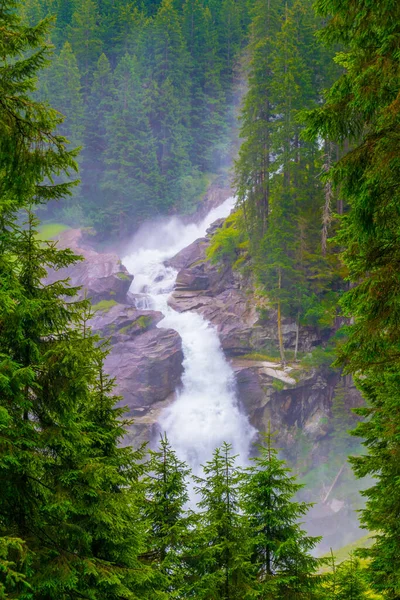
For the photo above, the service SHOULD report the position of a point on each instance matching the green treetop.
(170, 526)
(281, 549)
(221, 567)
(68, 517)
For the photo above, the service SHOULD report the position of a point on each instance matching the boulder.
(189, 255)
(100, 275)
(147, 369)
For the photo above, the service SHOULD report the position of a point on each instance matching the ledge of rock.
(101, 275)
(122, 322)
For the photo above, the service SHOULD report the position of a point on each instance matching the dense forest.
(148, 91)
(148, 88)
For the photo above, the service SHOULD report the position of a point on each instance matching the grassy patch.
(344, 553)
(278, 385)
(142, 322)
(104, 305)
(262, 357)
(49, 231)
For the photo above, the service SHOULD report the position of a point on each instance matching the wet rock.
(147, 369)
(122, 322)
(190, 254)
(224, 297)
(101, 275)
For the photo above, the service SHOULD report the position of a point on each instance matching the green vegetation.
(49, 231)
(123, 276)
(344, 553)
(361, 113)
(228, 243)
(68, 491)
(142, 322)
(104, 305)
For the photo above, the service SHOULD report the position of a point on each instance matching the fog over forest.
(199, 315)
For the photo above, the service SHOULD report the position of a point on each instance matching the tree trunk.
(296, 347)
(327, 210)
(280, 336)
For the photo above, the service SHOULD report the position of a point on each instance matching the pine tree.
(220, 563)
(170, 524)
(131, 181)
(84, 35)
(29, 150)
(253, 169)
(170, 113)
(351, 581)
(362, 113)
(281, 549)
(68, 492)
(208, 97)
(61, 85)
(99, 109)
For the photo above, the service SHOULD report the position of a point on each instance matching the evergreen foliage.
(277, 183)
(170, 525)
(362, 111)
(280, 549)
(67, 490)
(221, 559)
(146, 87)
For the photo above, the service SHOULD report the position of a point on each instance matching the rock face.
(292, 399)
(101, 275)
(145, 361)
(286, 398)
(146, 370)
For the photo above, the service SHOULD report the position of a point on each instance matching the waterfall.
(206, 411)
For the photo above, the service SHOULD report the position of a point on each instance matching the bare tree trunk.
(296, 347)
(280, 336)
(334, 483)
(327, 210)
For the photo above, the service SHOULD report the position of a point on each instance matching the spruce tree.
(84, 35)
(131, 181)
(220, 564)
(253, 169)
(68, 493)
(170, 524)
(351, 581)
(61, 86)
(281, 549)
(170, 114)
(99, 109)
(361, 113)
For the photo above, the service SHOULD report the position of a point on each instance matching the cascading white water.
(206, 411)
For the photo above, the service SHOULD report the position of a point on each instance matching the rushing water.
(206, 411)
